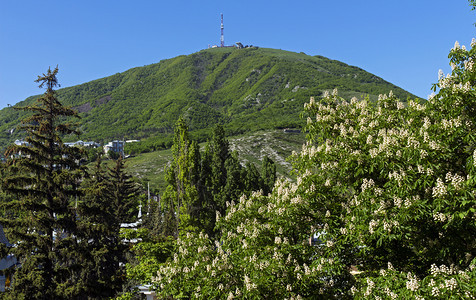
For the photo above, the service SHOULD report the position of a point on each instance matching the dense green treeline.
(200, 184)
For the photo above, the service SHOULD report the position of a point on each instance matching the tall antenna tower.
(222, 38)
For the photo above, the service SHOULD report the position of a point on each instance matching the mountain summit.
(245, 89)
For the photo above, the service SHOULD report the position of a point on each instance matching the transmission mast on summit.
(222, 38)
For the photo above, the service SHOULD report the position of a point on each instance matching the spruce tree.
(101, 242)
(43, 176)
(123, 193)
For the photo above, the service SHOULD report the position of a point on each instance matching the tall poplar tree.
(43, 176)
(181, 197)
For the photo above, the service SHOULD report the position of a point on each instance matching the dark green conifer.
(123, 193)
(43, 175)
(195, 206)
(252, 176)
(205, 191)
(215, 173)
(220, 150)
(101, 242)
(235, 181)
(268, 175)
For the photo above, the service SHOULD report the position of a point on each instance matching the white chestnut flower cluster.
(440, 189)
(412, 283)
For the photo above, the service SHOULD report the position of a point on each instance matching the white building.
(115, 146)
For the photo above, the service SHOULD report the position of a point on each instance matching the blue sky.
(405, 42)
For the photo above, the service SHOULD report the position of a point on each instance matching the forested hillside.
(243, 89)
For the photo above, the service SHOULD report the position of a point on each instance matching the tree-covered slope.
(244, 89)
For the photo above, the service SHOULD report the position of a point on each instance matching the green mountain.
(247, 90)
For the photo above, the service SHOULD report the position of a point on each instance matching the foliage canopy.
(385, 188)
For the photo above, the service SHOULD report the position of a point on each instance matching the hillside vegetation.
(246, 90)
